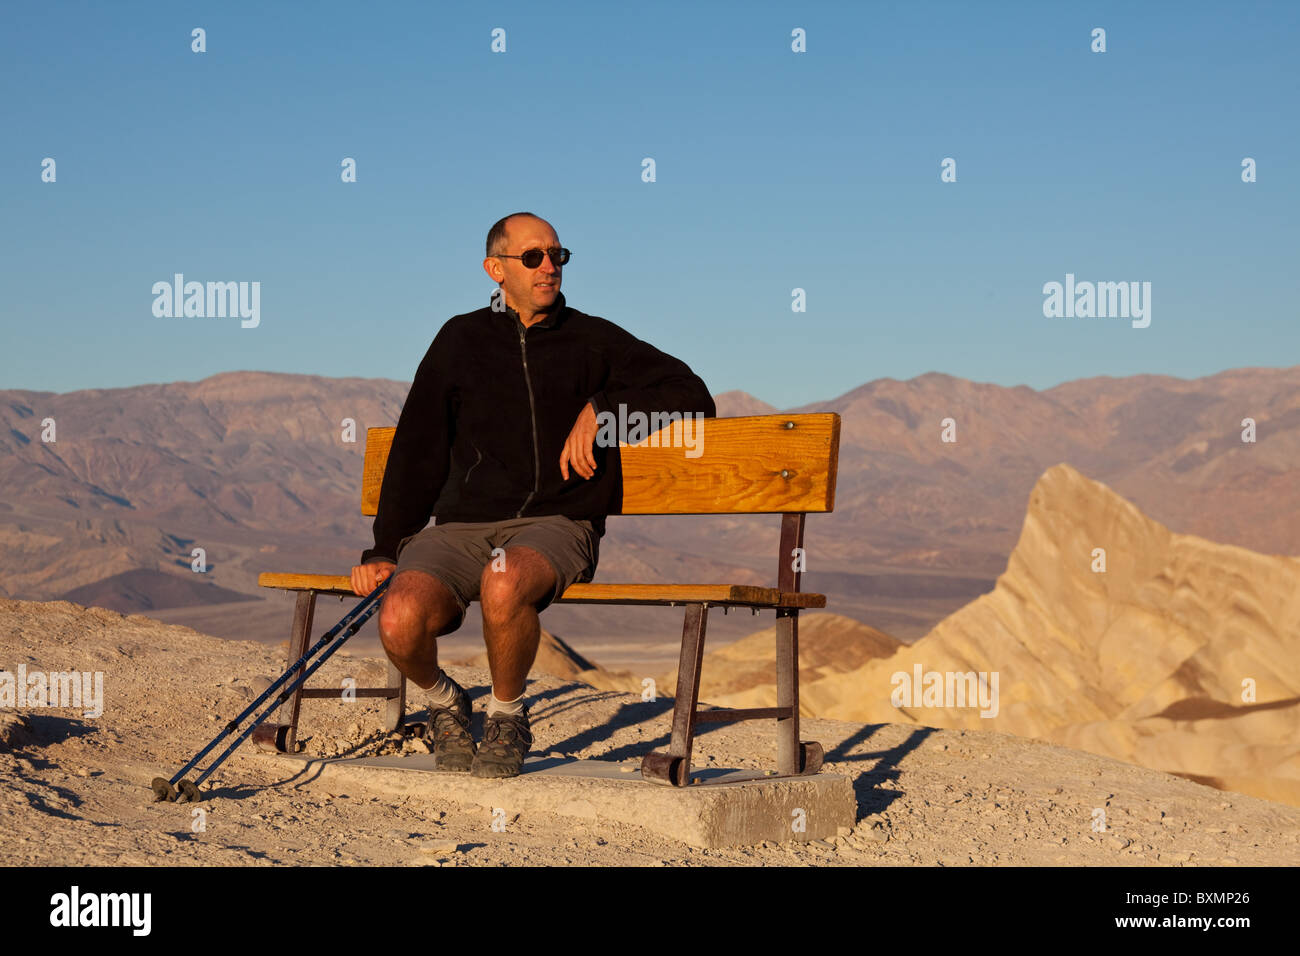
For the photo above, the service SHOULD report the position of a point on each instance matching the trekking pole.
(233, 725)
(191, 789)
(166, 790)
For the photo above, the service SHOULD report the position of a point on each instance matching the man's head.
(527, 291)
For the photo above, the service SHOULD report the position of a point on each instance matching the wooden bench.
(766, 464)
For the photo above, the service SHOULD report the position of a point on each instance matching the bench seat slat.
(737, 595)
(741, 595)
(325, 583)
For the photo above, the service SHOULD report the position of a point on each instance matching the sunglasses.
(532, 258)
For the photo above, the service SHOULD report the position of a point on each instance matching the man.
(497, 439)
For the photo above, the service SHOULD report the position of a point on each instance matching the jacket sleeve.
(419, 459)
(648, 380)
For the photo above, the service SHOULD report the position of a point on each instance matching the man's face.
(527, 291)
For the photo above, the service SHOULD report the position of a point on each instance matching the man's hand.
(366, 577)
(577, 449)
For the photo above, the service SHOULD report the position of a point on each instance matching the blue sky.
(775, 171)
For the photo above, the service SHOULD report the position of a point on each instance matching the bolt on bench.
(764, 464)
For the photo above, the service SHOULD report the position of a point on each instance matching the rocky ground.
(74, 790)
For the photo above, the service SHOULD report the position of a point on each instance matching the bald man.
(497, 439)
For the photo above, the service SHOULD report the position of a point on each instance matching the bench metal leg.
(283, 735)
(793, 756)
(303, 612)
(674, 767)
(787, 690)
(395, 707)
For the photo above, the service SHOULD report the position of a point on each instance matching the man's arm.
(419, 459)
(645, 379)
(642, 378)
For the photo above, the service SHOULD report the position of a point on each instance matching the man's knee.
(523, 579)
(416, 609)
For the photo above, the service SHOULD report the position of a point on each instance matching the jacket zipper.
(473, 466)
(532, 411)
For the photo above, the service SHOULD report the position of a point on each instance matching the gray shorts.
(457, 552)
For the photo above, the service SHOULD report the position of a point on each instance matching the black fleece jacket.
(492, 404)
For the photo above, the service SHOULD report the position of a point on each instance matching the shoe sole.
(491, 771)
(451, 764)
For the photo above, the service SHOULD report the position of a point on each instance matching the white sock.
(495, 706)
(444, 692)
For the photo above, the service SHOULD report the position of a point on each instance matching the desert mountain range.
(252, 467)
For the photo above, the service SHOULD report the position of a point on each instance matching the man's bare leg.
(417, 609)
(511, 628)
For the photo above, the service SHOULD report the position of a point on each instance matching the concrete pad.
(725, 808)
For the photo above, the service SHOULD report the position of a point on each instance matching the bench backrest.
(758, 464)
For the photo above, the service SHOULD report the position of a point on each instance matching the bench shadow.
(627, 715)
(868, 787)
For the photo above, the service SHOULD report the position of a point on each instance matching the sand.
(74, 789)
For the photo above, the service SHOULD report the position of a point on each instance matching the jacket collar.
(555, 317)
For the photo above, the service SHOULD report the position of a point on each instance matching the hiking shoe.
(506, 739)
(453, 745)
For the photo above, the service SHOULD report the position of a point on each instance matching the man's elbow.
(690, 396)
(696, 400)
(704, 402)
